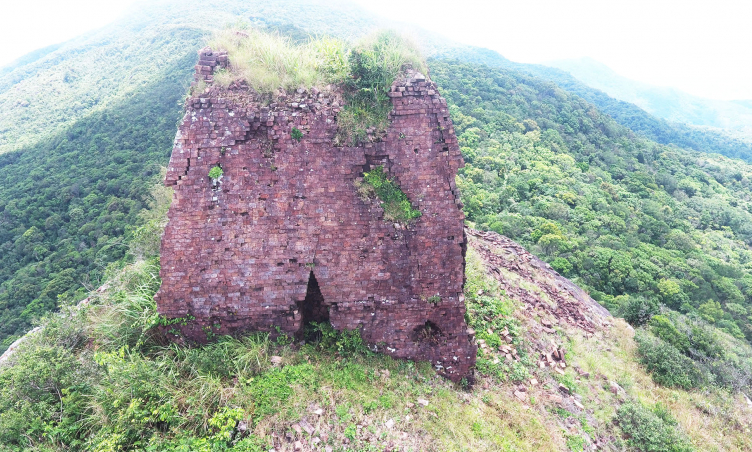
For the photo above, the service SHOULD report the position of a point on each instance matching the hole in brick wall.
(312, 309)
(428, 332)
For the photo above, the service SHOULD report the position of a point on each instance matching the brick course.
(238, 255)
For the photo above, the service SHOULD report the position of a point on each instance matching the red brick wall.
(238, 256)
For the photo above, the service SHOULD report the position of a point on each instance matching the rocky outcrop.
(16, 344)
(283, 238)
(536, 286)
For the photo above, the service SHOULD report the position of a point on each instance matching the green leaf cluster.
(215, 173)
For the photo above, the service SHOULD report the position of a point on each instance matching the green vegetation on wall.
(396, 205)
(270, 61)
(216, 172)
(374, 65)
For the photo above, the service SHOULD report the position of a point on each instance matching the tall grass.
(365, 71)
(268, 61)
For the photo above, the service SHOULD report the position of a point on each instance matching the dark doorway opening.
(312, 310)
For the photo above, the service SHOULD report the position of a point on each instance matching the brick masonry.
(238, 253)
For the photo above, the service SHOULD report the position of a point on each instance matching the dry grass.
(491, 420)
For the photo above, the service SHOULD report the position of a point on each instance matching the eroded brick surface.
(238, 255)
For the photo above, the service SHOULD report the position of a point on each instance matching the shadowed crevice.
(312, 308)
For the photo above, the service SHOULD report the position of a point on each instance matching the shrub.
(296, 134)
(216, 172)
(562, 265)
(662, 327)
(638, 310)
(374, 64)
(44, 394)
(666, 363)
(395, 203)
(326, 338)
(646, 431)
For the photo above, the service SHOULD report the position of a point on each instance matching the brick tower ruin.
(283, 238)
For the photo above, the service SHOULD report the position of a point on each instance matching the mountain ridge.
(665, 102)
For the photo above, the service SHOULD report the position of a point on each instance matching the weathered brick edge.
(238, 256)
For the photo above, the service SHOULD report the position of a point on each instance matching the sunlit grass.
(269, 61)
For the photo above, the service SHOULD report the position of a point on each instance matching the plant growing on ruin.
(268, 61)
(394, 201)
(215, 173)
(374, 65)
(296, 134)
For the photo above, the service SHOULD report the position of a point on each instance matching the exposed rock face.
(283, 238)
(548, 293)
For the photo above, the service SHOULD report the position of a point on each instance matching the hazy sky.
(701, 47)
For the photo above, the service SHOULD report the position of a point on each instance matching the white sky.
(701, 47)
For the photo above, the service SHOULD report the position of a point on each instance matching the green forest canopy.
(623, 216)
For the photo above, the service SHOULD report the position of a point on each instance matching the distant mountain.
(667, 103)
(48, 90)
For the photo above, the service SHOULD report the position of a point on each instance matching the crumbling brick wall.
(284, 238)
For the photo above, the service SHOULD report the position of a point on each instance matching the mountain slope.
(667, 103)
(626, 114)
(66, 203)
(658, 234)
(48, 90)
(625, 216)
(555, 373)
(48, 252)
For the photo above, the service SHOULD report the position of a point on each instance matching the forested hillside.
(66, 203)
(658, 234)
(626, 216)
(626, 114)
(647, 229)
